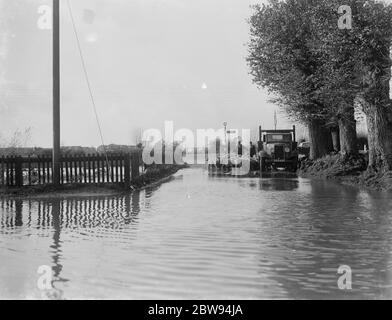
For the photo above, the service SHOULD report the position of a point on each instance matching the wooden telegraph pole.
(56, 92)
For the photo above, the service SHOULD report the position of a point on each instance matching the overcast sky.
(148, 61)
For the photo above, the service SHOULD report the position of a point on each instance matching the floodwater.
(201, 237)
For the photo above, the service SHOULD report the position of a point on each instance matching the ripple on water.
(201, 237)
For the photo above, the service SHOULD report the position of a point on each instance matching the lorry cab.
(278, 149)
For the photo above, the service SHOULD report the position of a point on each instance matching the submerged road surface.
(200, 237)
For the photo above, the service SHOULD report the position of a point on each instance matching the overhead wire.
(84, 67)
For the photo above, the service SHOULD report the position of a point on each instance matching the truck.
(278, 149)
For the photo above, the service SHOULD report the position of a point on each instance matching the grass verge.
(349, 170)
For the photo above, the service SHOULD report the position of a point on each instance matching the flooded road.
(201, 237)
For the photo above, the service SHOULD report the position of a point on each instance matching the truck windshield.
(279, 138)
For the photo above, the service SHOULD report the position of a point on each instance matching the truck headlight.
(287, 149)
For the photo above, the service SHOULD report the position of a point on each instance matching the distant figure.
(252, 150)
(239, 148)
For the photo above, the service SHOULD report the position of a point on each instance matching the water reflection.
(327, 229)
(58, 215)
(71, 213)
(202, 237)
(278, 184)
(57, 267)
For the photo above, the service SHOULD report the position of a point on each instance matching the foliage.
(282, 59)
(19, 139)
(314, 69)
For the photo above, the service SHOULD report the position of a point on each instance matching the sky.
(148, 61)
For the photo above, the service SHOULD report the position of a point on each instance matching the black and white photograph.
(195, 150)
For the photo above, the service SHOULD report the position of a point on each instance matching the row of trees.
(321, 63)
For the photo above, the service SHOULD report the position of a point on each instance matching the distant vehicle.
(278, 150)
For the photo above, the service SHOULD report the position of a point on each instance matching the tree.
(361, 64)
(319, 71)
(372, 23)
(20, 139)
(282, 58)
(338, 72)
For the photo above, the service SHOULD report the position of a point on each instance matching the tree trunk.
(379, 122)
(348, 132)
(371, 141)
(378, 110)
(320, 139)
(335, 139)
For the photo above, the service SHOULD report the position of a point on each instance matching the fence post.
(135, 164)
(127, 171)
(18, 172)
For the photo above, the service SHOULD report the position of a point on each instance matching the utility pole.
(275, 120)
(225, 132)
(56, 92)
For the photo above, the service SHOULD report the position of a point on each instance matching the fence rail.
(18, 171)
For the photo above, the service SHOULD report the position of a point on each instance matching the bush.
(335, 165)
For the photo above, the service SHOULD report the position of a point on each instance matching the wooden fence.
(91, 169)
